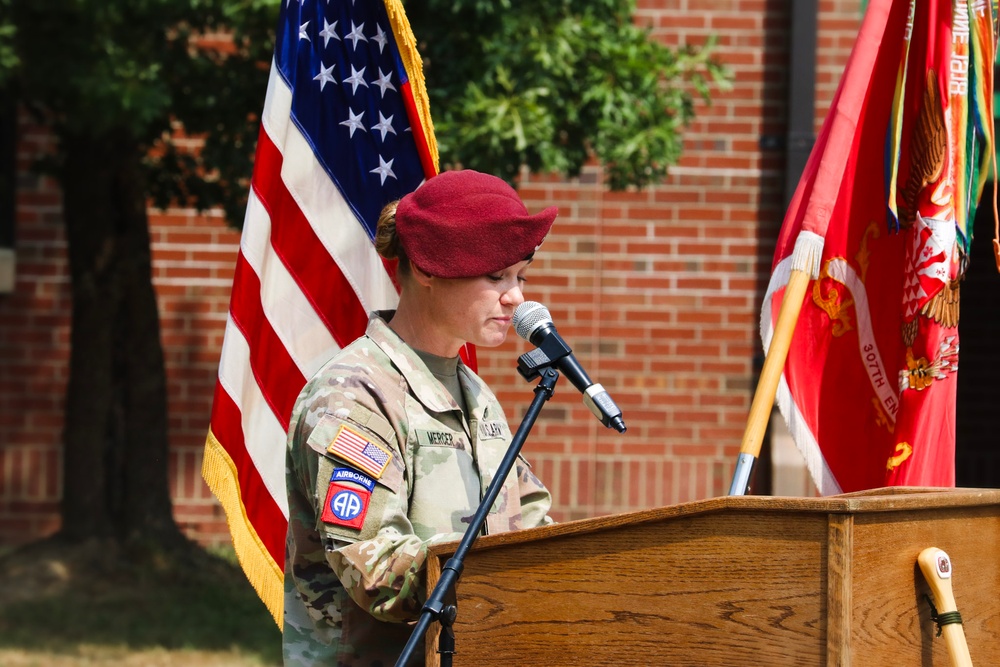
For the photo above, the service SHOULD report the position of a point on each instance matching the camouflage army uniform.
(381, 463)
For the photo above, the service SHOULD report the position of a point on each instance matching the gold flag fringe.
(407, 44)
(264, 574)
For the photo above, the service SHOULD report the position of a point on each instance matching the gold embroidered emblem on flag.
(355, 448)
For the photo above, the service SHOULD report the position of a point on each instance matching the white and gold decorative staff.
(936, 566)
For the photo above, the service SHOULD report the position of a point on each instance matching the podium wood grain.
(732, 581)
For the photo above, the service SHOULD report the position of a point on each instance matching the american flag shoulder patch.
(356, 448)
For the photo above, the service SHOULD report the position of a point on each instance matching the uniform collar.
(422, 383)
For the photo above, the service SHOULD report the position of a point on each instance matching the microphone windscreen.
(529, 316)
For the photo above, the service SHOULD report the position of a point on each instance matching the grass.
(75, 609)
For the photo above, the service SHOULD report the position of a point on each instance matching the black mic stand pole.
(440, 605)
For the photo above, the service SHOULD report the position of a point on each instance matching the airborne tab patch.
(351, 475)
(355, 448)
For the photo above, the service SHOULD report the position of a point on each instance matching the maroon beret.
(463, 224)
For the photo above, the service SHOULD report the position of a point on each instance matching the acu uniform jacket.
(381, 463)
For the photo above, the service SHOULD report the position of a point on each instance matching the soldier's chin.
(494, 339)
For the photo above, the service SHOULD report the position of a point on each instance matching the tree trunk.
(115, 459)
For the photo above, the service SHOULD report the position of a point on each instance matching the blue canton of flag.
(346, 76)
(376, 454)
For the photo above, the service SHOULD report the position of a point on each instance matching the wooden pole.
(767, 385)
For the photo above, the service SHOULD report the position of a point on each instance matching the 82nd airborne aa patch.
(345, 505)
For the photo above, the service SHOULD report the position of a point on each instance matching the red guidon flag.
(882, 221)
(345, 130)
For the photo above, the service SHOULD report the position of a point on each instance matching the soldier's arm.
(362, 511)
(536, 501)
(385, 575)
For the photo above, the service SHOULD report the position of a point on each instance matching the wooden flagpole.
(770, 375)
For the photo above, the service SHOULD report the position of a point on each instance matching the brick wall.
(657, 290)
(34, 355)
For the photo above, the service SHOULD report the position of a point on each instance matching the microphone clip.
(546, 355)
(531, 364)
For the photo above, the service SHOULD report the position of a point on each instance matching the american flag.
(358, 450)
(345, 129)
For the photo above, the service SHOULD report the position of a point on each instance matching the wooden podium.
(737, 580)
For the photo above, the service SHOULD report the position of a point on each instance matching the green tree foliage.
(144, 69)
(8, 57)
(550, 84)
(512, 82)
(92, 66)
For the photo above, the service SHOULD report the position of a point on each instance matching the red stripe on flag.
(352, 443)
(262, 511)
(419, 137)
(295, 242)
(277, 375)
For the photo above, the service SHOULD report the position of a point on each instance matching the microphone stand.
(441, 604)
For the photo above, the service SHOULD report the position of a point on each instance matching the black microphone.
(533, 323)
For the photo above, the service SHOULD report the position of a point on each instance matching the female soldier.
(393, 443)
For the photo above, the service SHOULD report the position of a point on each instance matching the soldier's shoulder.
(362, 357)
(361, 374)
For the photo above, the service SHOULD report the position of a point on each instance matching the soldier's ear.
(423, 278)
